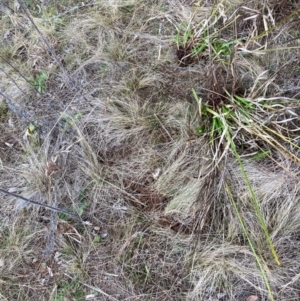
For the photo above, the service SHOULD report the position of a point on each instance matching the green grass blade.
(249, 241)
(255, 202)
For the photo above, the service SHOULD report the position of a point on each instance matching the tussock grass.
(129, 133)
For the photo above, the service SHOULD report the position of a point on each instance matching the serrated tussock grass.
(170, 129)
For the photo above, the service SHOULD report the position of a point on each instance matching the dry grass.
(115, 136)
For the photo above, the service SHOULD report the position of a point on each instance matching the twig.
(5, 8)
(12, 107)
(13, 81)
(50, 49)
(55, 209)
(97, 289)
(8, 63)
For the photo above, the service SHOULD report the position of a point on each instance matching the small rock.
(252, 298)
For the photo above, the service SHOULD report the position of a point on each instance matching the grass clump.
(158, 145)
